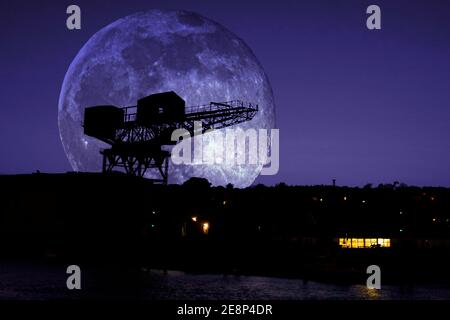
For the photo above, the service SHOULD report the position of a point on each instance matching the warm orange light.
(205, 227)
(194, 219)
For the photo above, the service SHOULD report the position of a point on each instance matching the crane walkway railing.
(207, 110)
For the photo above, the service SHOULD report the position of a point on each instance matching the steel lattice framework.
(137, 148)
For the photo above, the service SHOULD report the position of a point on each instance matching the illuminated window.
(345, 243)
(384, 242)
(371, 243)
(360, 243)
(364, 242)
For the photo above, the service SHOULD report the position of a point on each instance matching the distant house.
(368, 242)
(363, 243)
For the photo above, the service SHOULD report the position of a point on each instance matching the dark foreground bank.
(323, 233)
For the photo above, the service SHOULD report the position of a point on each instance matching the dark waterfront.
(19, 282)
(112, 225)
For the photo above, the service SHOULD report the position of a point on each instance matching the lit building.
(362, 243)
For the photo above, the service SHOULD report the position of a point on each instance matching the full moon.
(157, 51)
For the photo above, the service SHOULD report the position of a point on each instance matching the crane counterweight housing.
(102, 121)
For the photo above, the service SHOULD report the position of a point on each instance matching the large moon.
(159, 51)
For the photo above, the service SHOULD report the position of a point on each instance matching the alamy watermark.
(374, 20)
(73, 21)
(374, 280)
(232, 146)
(74, 279)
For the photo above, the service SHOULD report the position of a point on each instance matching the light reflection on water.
(176, 285)
(49, 283)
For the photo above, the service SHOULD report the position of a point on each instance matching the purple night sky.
(352, 104)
